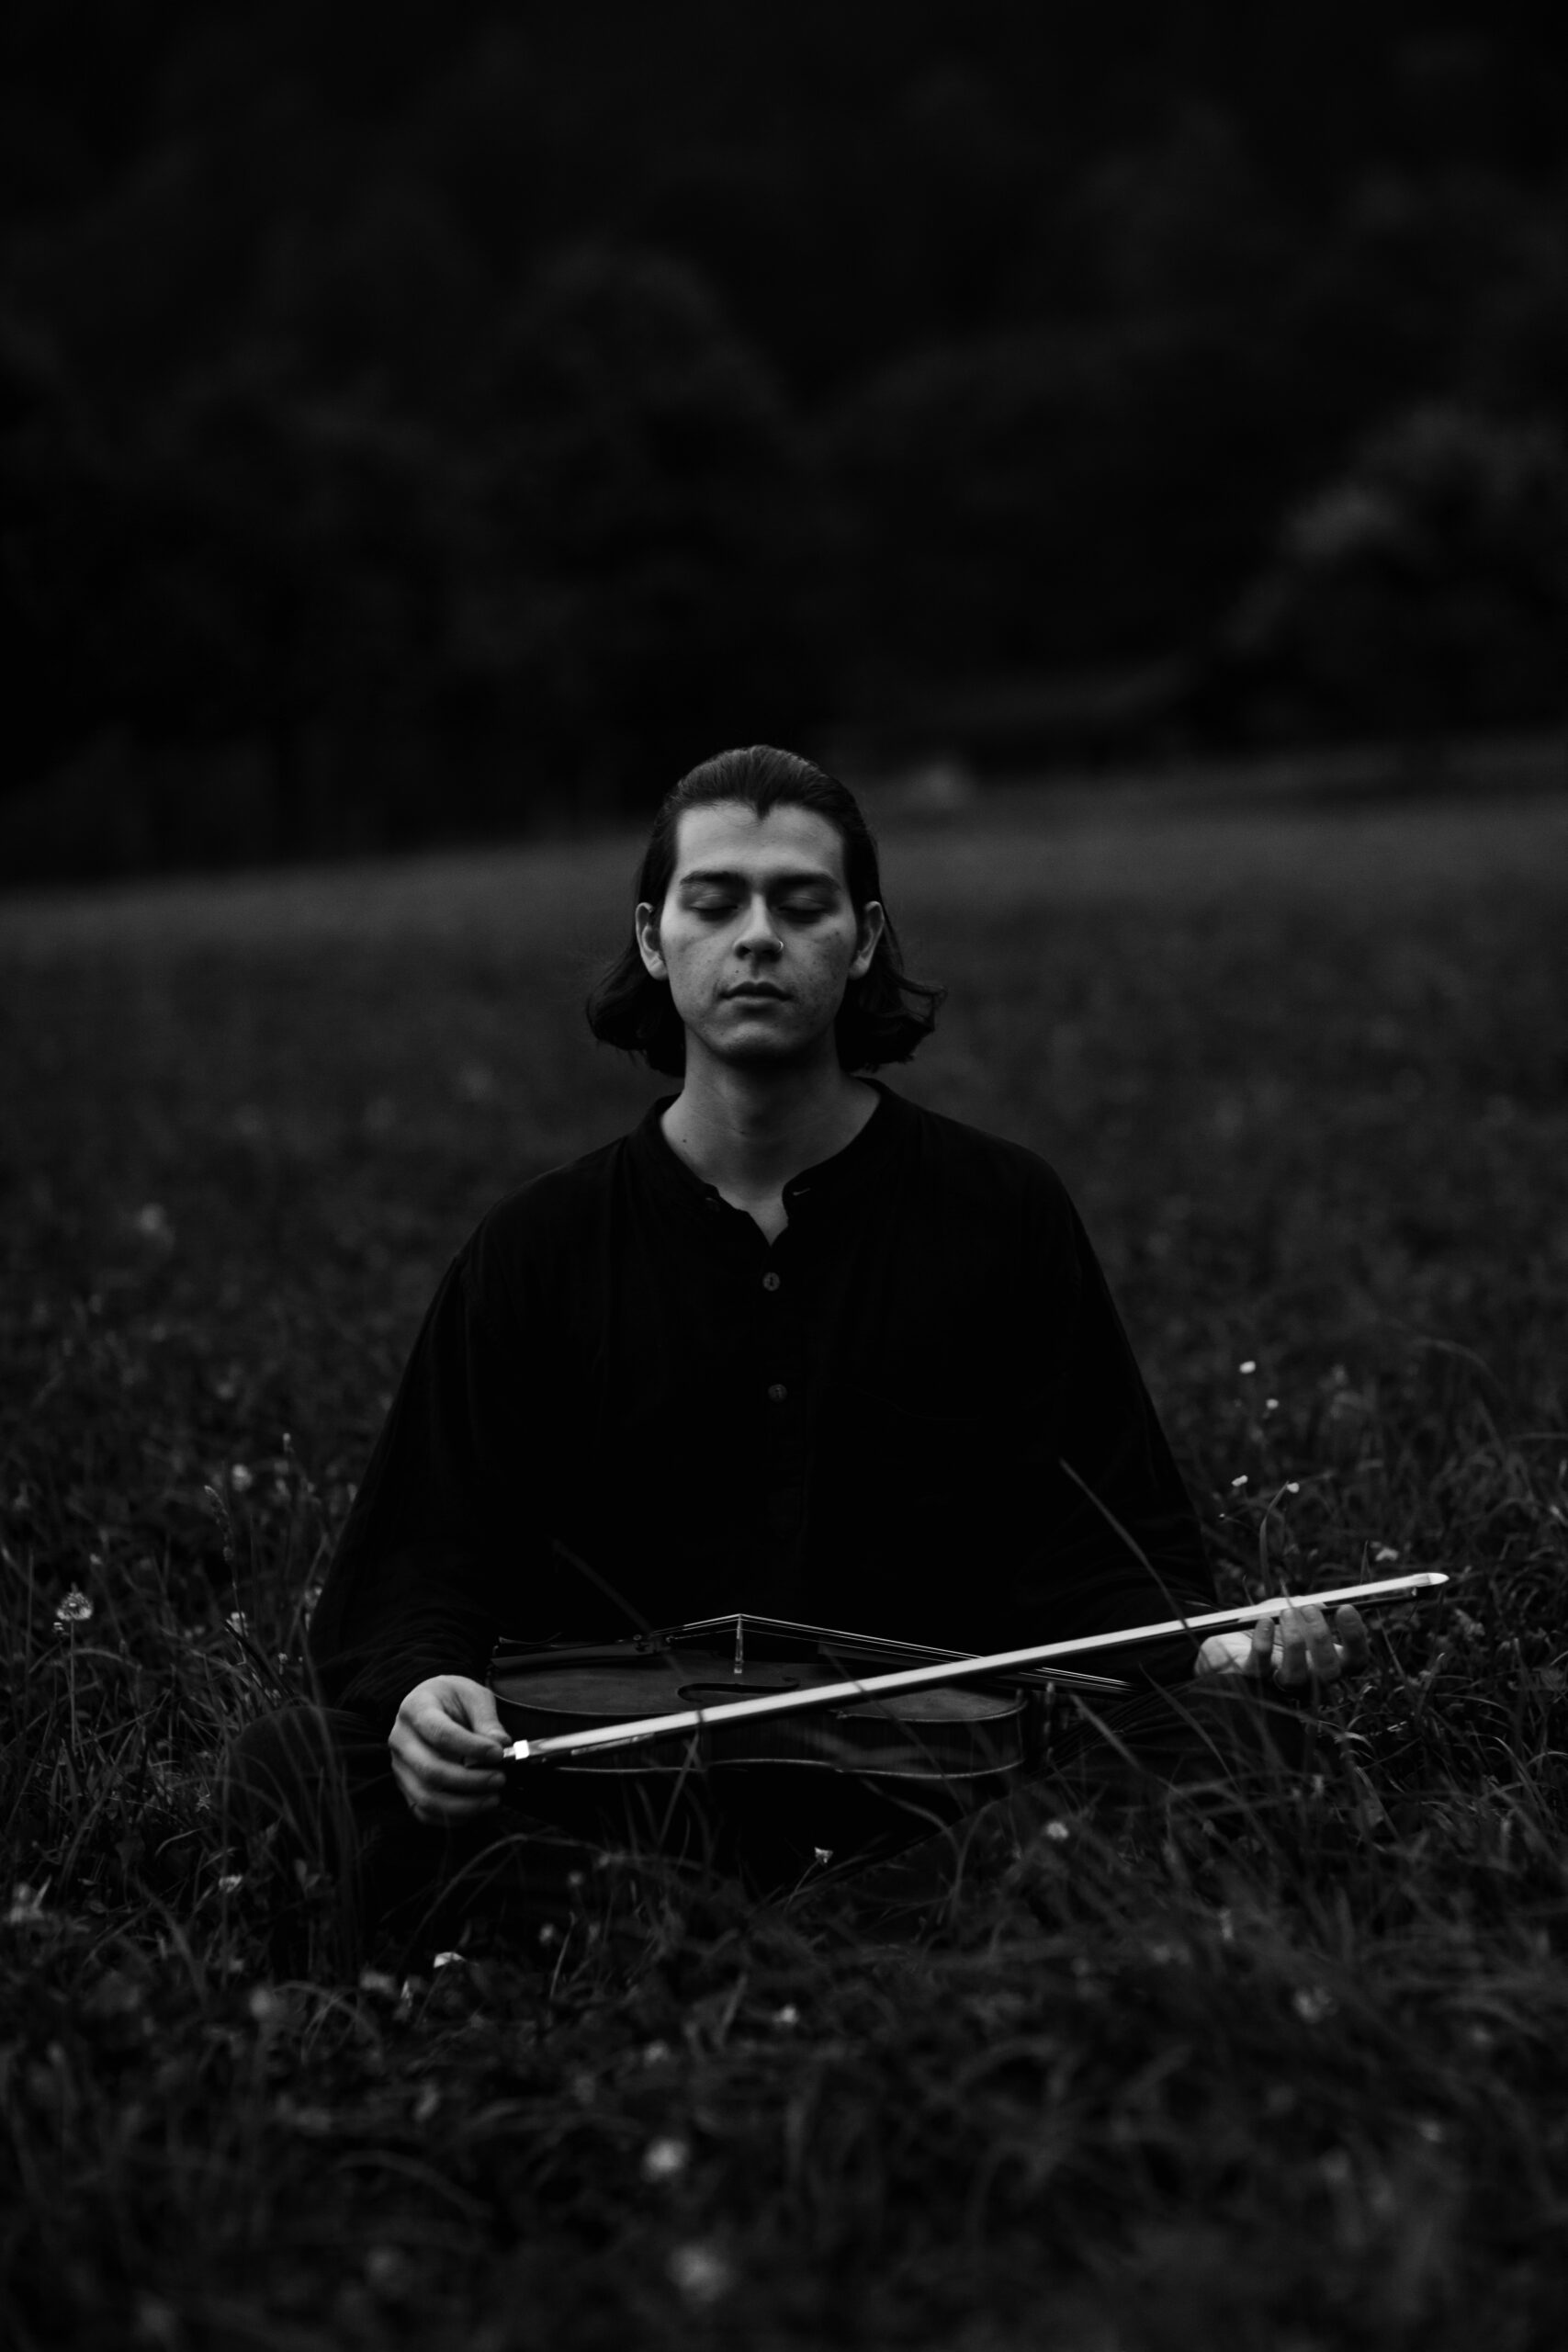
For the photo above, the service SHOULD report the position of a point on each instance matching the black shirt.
(914, 1414)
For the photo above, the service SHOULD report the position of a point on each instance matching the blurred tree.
(61, 549)
(648, 530)
(1425, 588)
(293, 588)
(1051, 499)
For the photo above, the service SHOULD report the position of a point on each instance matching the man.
(793, 1346)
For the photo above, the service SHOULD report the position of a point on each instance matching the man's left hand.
(1299, 1647)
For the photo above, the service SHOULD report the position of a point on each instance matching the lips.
(760, 994)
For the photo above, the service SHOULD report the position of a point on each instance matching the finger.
(441, 1732)
(1353, 1641)
(476, 1705)
(1261, 1654)
(1291, 1668)
(432, 1767)
(1322, 1650)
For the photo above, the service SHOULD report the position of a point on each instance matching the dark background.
(435, 420)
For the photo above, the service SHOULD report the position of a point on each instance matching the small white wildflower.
(25, 1907)
(387, 2269)
(1241, 1481)
(787, 2016)
(240, 1478)
(1385, 1553)
(1292, 1486)
(665, 2159)
(231, 1882)
(1270, 1404)
(268, 2008)
(1250, 1365)
(75, 1610)
(1227, 1927)
(1427, 2128)
(1313, 2003)
(1058, 1832)
(151, 1222)
(700, 2273)
(239, 1624)
(655, 2053)
(447, 1960)
(548, 1934)
(824, 1855)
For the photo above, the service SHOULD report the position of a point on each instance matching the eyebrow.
(816, 878)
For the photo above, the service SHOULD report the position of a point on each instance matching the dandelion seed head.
(700, 2273)
(240, 1478)
(74, 1609)
(665, 2158)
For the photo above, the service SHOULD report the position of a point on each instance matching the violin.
(758, 1718)
(584, 1708)
(646, 1747)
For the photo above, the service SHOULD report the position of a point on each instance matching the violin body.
(936, 1734)
(770, 1794)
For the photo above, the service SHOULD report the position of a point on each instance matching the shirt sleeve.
(1122, 1542)
(440, 1529)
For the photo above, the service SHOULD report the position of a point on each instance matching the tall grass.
(1131, 2084)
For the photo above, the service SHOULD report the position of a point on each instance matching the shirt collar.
(841, 1177)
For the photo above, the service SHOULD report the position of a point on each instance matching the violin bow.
(961, 1669)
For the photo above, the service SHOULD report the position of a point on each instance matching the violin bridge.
(740, 1644)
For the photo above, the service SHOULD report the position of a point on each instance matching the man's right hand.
(445, 1748)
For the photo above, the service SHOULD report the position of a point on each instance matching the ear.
(868, 932)
(645, 923)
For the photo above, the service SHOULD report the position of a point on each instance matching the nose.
(758, 936)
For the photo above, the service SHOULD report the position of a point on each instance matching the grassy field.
(1306, 1073)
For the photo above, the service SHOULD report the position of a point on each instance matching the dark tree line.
(425, 419)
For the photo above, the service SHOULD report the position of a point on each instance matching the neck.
(748, 1131)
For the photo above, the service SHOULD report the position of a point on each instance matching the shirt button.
(777, 1393)
(770, 1281)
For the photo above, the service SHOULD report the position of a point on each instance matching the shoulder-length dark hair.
(884, 1016)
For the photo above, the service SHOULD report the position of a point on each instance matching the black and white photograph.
(784, 1176)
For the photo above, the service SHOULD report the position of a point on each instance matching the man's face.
(757, 935)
